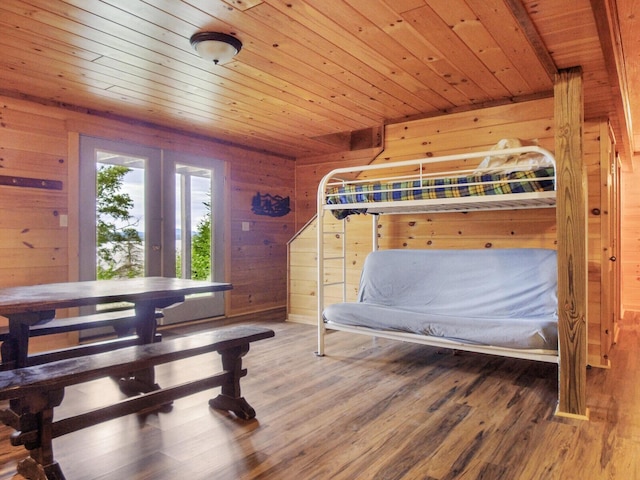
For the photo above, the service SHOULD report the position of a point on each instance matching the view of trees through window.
(120, 233)
(120, 251)
(200, 250)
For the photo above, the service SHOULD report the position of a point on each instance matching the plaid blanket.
(523, 181)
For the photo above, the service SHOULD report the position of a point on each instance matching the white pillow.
(511, 163)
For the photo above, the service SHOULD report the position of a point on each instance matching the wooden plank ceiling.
(310, 71)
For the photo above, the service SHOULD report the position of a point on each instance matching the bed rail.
(421, 173)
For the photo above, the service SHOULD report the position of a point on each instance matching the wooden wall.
(257, 267)
(603, 316)
(33, 243)
(310, 170)
(630, 261)
(468, 131)
(36, 246)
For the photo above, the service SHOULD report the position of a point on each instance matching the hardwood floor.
(367, 410)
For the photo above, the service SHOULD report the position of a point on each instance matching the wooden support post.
(572, 244)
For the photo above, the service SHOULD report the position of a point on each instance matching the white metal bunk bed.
(524, 178)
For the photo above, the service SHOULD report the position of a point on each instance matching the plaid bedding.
(523, 181)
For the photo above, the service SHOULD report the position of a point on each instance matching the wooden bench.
(35, 391)
(122, 322)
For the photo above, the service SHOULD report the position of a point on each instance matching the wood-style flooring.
(368, 410)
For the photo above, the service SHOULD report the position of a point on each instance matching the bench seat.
(34, 391)
(122, 321)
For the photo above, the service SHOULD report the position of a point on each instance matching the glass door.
(120, 216)
(194, 199)
(147, 212)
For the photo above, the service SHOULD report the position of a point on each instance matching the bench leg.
(32, 470)
(35, 433)
(230, 398)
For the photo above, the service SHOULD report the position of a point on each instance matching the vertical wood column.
(572, 243)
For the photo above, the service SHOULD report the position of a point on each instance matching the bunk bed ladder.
(322, 260)
(341, 257)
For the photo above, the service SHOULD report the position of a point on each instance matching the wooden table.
(30, 305)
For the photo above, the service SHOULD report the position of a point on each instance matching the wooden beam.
(571, 214)
(524, 19)
(605, 13)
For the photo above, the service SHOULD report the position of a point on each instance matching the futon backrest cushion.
(498, 283)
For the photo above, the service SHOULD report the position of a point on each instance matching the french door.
(151, 212)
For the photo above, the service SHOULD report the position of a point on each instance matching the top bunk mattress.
(458, 187)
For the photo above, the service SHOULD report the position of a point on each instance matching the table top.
(51, 296)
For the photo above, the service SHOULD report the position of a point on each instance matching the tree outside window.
(200, 249)
(119, 244)
(120, 249)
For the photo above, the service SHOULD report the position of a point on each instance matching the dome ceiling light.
(216, 47)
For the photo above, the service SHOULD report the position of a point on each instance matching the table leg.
(15, 350)
(146, 324)
(142, 381)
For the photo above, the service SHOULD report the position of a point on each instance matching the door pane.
(120, 215)
(194, 188)
(118, 208)
(193, 222)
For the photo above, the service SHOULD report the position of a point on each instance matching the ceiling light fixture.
(216, 47)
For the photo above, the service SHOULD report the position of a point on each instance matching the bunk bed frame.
(421, 172)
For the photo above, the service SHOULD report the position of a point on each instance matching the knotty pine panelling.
(310, 170)
(591, 152)
(33, 238)
(258, 266)
(35, 142)
(600, 317)
(302, 273)
(474, 230)
(470, 131)
(631, 240)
